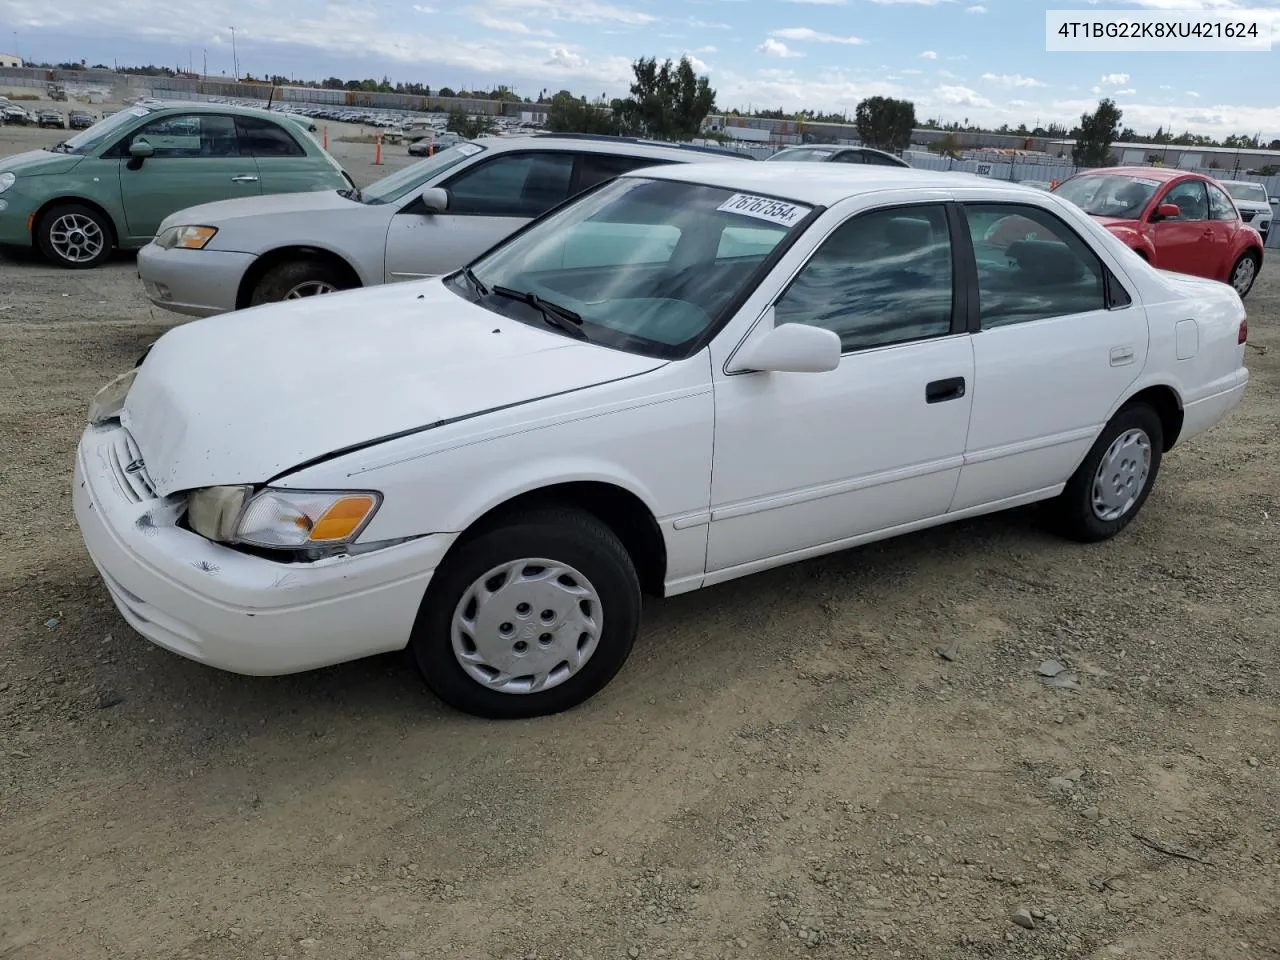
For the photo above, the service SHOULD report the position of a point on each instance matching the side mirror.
(790, 348)
(140, 150)
(1167, 211)
(435, 199)
(1274, 199)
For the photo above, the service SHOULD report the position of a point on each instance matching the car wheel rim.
(76, 238)
(527, 626)
(312, 288)
(1242, 279)
(1122, 475)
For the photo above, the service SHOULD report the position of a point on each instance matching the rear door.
(1057, 343)
(283, 165)
(1225, 222)
(197, 160)
(487, 202)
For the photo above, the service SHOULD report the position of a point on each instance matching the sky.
(983, 61)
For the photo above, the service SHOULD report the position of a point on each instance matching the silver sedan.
(427, 219)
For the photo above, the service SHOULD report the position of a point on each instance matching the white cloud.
(562, 57)
(912, 3)
(579, 11)
(1192, 93)
(1128, 91)
(814, 36)
(1011, 80)
(706, 49)
(422, 8)
(929, 55)
(976, 8)
(958, 96)
(508, 26)
(821, 3)
(776, 48)
(1115, 79)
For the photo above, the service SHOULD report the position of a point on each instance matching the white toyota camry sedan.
(689, 374)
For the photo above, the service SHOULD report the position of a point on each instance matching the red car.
(1173, 219)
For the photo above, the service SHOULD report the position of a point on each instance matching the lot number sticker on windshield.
(468, 149)
(1145, 182)
(764, 208)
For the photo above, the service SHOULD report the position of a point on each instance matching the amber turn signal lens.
(342, 519)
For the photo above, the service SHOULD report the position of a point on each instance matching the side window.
(597, 167)
(187, 136)
(881, 278)
(262, 138)
(1220, 205)
(515, 185)
(878, 160)
(1193, 203)
(1031, 265)
(849, 156)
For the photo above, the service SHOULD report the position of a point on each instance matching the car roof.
(589, 143)
(823, 183)
(183, 106)
(1163, 174)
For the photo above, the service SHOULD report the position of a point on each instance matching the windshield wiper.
(562, 318)
(475, 282)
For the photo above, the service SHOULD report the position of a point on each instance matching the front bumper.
(228, 609)
(197, 283)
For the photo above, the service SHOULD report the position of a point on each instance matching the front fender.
(1135, 240)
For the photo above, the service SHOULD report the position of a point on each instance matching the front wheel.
(295, 279)
(1111, 485)
(74, 236)
(530, 617)
(1244, 273)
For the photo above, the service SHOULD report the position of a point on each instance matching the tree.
(885, 123)
(570, 114)
(1096, 133)
(446, 92)
(467, 126)
(948, 146)
(667, 102)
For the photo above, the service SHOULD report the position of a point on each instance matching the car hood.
(246, 396)
(271, 205)
(39, 163)
(1257, 206)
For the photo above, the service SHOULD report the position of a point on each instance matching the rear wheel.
(1111, 485)
(74, 236)
(1244, 273)
(530, 617)
(295, 279)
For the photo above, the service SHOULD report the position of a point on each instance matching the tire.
(1073, 511)
(1238, 269)
(75, 237)
(598, 562)
(290, 280)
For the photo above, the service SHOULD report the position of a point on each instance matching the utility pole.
(235, 61)
(204, 70)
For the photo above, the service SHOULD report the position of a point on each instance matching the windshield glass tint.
(392, 188)
(1247, 191)
(649, 265)
(1109, 195)
(105, 129)
(795, 156)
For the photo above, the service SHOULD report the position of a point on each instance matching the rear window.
(1247, 191)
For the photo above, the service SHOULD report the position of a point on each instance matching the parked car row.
(609, 369)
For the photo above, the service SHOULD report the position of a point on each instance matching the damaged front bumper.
(229, 609)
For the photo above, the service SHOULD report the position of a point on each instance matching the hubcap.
(1242, 279)
(311, 288)
(527, 626)
(76, 238)
(1122, 475)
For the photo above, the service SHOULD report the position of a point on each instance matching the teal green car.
(109, 186)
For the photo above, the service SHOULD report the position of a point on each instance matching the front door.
(487, 202)
(197, 160)
(1185, 243)
(1059, 344)
(806, 460)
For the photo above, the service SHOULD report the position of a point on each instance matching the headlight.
(6, 181)
(281, 519)
(109, 401)
(186, 238)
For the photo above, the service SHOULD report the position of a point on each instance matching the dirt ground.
(786, 767)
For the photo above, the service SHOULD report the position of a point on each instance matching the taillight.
(1243, 335)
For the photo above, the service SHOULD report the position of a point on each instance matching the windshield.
(795, 155)
(1109, 195)
(392, 188)
(646, 265)
(86, 141)
(1247, 191)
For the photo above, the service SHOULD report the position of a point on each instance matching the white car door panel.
(1048, 369)
(807, 459)
(427, 244)
(804, 459)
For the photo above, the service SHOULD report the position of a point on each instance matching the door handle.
(244, 179)
(940, 391)
(1121, 355)
(1208, 233)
